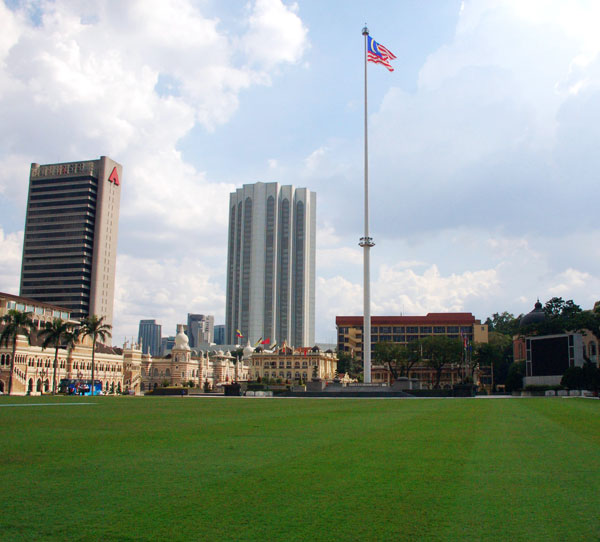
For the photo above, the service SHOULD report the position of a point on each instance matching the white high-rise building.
(271, 264)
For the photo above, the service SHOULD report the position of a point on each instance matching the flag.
(238, 333)
(379, 54)
(266, 341)
(257, 342)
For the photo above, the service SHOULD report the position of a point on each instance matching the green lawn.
(172, 469)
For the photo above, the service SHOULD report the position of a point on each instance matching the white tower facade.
(271, 264)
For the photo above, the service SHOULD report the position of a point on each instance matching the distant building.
(166, 345)
(404, 329)
(149, 336)
(271, 264)
(70, 244)
(200, 329)
(547, 357)
(220, 334)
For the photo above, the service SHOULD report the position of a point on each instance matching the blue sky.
(484, 143)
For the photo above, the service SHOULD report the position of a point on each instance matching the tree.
(582, 378)
(505, 323)
(348, 364)
(514, 379)
(399, 358)
(15, 323)
(557, 307)
(94, 327)
(54, 334)
(440, 351)
(497, 353)
(388, 354)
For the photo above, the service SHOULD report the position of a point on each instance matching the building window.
(284, 262)
(299, 276)
(439, 329)
(246, 265)
(269, 266)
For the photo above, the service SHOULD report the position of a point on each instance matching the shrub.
(514, 379)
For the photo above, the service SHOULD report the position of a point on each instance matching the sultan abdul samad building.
(117, 369)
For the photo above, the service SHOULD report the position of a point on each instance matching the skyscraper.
(70, 245)
(220, 334)
(150, 335)
(200, 328)
(271, 264)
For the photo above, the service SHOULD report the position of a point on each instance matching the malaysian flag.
(378, 54)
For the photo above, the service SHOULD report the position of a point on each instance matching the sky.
(483, 143)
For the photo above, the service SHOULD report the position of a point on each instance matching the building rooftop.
(431, 318)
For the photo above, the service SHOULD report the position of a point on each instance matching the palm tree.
(54, 334)
(94, 327)
(15, 323)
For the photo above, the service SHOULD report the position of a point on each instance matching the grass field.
(127, 468)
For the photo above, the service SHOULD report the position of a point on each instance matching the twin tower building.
(271, 265)
(70, 248)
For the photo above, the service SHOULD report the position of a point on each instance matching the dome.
(315, 348)
(220, 353)
(248, 350)
(258, 349)
(181, 340)
(536, 316)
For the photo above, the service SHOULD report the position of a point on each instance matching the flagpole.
(366, 243)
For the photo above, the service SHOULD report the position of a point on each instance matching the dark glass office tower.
(71, 228)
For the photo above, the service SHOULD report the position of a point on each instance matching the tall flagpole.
(366, 243)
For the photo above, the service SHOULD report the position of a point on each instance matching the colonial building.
(117, 369)
(40, 312)
(293, 365)
(182, 367)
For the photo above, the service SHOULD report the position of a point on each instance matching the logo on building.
(114, 177)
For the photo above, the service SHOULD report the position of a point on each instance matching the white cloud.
(275, 33)
(130, 80)
(11, 248)
(165, 289)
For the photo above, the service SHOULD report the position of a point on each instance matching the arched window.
(155, 371)
(167, 372)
